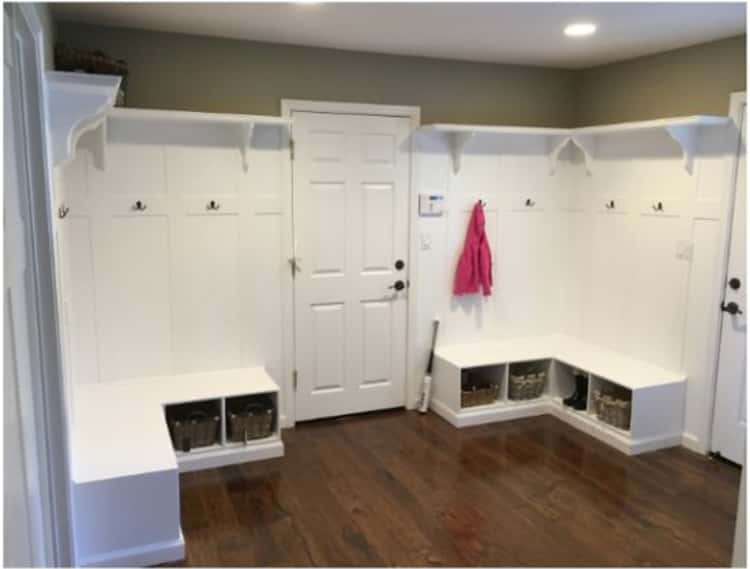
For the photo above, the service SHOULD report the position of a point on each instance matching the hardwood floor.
(397, 488)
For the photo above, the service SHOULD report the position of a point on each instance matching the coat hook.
(482, 203)
(610, 204)
(658, 206)
(63, 211)
(530, 202)
(213, 205)
(139, 206)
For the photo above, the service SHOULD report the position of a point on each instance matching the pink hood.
(474, 270)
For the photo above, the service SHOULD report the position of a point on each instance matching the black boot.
(580, 393)
(582, 389)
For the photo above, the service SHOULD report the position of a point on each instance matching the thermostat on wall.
(431, 205)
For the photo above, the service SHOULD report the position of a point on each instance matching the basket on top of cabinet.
(250, 417)
(194, 425)
(527, 380)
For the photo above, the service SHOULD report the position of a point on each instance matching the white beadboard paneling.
(207, 307)
(137, 299)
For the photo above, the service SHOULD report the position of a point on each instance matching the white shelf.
(243, 125)
(230, 453)
(78, 103)
(681, 129)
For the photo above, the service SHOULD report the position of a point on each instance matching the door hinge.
(294, 379)
(291, 148)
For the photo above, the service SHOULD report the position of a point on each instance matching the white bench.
(658, 395)
(126, 499)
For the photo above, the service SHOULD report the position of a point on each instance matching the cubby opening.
(527, 380)
(482, 385)
(610, 403)
(250, 417)
(194, 425)
(569, 383)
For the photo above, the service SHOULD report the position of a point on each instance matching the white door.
(351, 200)
(729, 413)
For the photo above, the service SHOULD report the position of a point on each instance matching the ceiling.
(522, 33)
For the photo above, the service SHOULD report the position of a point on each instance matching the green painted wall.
(689, 81)
(198, 73)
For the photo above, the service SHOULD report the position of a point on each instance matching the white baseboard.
(581, 421)
(143, 556)
(693, 443)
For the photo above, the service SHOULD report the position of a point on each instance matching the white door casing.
(351, 177)
(730, 421)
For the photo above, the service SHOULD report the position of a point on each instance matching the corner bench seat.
(123, 462)
(657, 393)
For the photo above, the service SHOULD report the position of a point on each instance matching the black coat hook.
(658, 206)
(139, 206)
(529, 202)
(610, 204)
(213, 205)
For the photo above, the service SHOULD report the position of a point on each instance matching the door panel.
(351, 199)
(730, 422)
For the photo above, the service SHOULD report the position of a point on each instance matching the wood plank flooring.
(398, 488)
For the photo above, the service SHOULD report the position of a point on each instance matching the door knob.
(399, 265)
(731, 307)
(398, 285)
(735, 283)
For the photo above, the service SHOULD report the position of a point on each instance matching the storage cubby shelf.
(120, 428)
(681, 129)
(657, 393)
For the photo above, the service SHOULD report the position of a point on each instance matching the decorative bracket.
(684, 135)
(246, 138)
(587, 144)
(556, 145)
(457, 142)
(77, 103)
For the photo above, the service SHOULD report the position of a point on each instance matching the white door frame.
(289, 106)
(736, 101)
(46, 430)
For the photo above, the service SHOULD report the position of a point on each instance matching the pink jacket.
(475, 265)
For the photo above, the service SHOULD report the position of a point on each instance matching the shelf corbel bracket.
(457, 142)
(78, 103)
(587, 144)
(556, 144)
(684, 135)
(246, 139)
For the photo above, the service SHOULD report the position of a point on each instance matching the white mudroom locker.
(211, 264)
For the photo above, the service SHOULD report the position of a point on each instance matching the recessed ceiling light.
(579, 29)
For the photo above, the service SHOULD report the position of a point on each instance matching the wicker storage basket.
(198, 430)
(529, 386)
(480, 395)
(255, 421)
(612, 410)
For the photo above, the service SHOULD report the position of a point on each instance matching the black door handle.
(731, 307)
(398, 285)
